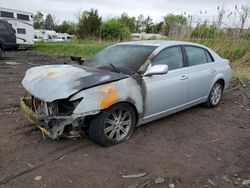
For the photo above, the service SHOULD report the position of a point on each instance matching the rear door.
(201, 72)
(167, 92)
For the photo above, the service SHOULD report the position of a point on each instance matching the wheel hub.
(216, 94)
(118, 125)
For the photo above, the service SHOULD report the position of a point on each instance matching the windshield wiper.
(114, 68)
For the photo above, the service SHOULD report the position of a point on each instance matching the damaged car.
(121, 87)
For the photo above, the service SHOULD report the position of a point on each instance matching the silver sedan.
(121, 87)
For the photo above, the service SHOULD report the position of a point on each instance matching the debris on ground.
(216, 140)
(211, 182)
(159, 180)
(70, 181)
(30, 165)
(142, 174)
(12, 63)
(246, 182)
(237, 181)
(62, 157)
(145, 184)
(171, 186)
(225, 178)
(36, 141)
(38, 178)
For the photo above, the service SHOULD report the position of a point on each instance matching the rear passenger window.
(171, 57)
(196, 56)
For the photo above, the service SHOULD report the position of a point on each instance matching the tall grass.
(228, 48)
(83, 49)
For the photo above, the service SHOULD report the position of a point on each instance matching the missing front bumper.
(52, 126)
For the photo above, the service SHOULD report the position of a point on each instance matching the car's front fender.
(103, 96)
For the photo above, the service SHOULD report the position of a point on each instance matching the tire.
(215, 95)
(113, 125)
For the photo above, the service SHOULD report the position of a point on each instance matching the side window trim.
(205, 51)
(183, 57)
(209, 54)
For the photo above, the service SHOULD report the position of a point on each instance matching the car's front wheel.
(113, 125)
(215, 95)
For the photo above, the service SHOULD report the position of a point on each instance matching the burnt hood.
(52, 82)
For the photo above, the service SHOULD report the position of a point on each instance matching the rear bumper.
(52, 126)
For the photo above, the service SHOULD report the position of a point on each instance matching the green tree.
(148, 24)
(49, 22)
(173, 20)
(38, 20)
(140, 24)
(128, 21)
(89, 25)
(144, 24)
(115, 29)
(155, 28)
(66, 27)
(72, 27)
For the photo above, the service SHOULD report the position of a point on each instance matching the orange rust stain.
(50, 74)
(109, 97)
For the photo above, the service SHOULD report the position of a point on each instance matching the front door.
(168, 92)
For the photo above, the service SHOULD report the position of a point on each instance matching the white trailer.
(43, 35)
(50, 36)
(22, 23)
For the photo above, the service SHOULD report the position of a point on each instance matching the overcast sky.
(69, 9)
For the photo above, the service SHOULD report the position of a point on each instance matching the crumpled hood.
(52, 82)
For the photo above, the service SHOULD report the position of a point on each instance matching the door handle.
(213, 70)
(184, 77)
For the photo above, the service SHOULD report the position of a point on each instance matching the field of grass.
(83, 49)
(232, 49)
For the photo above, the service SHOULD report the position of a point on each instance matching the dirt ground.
(199, 147)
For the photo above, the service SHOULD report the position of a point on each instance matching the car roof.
(160, 43)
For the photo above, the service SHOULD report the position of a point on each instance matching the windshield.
(121, 58)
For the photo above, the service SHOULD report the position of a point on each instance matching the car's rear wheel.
(215, 95)
(113, 125)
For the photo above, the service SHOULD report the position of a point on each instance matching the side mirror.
(156, 70)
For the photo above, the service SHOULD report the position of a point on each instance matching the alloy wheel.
(118, 124)
(216, 94)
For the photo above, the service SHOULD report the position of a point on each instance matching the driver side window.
(171, 56)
